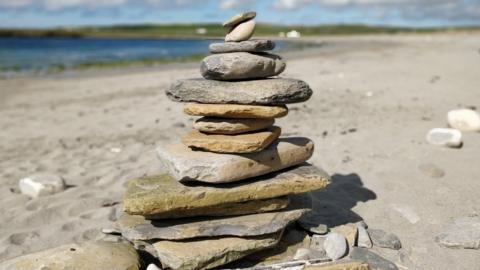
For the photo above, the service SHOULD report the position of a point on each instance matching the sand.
(375, 98)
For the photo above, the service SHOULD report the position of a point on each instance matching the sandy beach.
(375, 98)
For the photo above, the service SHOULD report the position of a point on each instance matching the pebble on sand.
(463, 232)
(38, 185)
(464, 120)
(445, 137)
(335, 246)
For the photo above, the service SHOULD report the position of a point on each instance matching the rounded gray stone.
(335, 246)
(255, 45)
(241, 65)
(263, 92)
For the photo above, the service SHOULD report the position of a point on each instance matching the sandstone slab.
(210, 253)
(85, 256)
(234, 20)
(239, 143)
(134, 227)
(184, 164)
(229, 126)
(235, 110)
(163, 196)
(241, 65)
(276, 91)
(349, 231)
(256, 45)
(241, 32)
(346, 265)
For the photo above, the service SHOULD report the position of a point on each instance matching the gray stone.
(431, 170)
(363, 238)
(185, 164)
(463, 232)
(375, 261)
(317, 242)
(445, 137)
(309, 223)
(139, 228)
(241, 65)
(84, 256)
(161, 196)
(238, 18)
(383, 239)
(267, 91)
(210, 252)
(335, 246)
(241, 32)
(38, 185)
(256, 45)
(309, 254)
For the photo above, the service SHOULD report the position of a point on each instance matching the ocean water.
(43, 54)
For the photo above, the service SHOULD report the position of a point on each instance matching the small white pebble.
(38, 185)
(153, 267)
(115, 150)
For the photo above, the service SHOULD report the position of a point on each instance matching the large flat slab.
(185, 164)
(235, 110)
(135, 227)
(241, 65)
(239, 143)
(210, 253)
(267, 91)
(230, 126)
(162, 195)
(254, 45)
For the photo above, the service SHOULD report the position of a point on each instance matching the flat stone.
(276, 91)
(383, 239)
(238, 18)
(210, 253)
(163, 196)
(375, 261)
(464, 120)
(239, 143)
(349, 231)
(344, 265)
(138, 228)
(431, 170)
(255, 45)
(99, 255)
(231, 126)
(364, 240)
(184, 164)
(445, 137)
(335, 246)
(309, 254)
(235, 110)
(317, 242)
(241, 65)
(38, 185)
(463, 232)
(241, 32)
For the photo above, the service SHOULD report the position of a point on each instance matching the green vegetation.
(213, 31)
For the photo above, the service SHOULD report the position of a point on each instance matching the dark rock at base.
(383, 239)
(375, 261)
(267, 91)
(256, 45)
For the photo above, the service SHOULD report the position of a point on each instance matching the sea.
(35, 55)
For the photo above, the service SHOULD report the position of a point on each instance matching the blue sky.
(53, 13)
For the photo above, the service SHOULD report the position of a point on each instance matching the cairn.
(233, 186)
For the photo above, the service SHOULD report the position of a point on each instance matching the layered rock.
(258, 45)
(231, 126)
(236, 110)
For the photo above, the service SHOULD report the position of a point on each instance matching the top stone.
(235, 20)
(261, 92)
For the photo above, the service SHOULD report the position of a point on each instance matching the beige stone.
(240, 143)
(349, 231)
(239, 18)
(348, 265)
(241, 32)
(185, 164)
(164, 196)
(231, 126)
(212, 252)
(84, 256)
(235, 110)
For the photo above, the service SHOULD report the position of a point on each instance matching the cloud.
(290, 4)
(235, 4)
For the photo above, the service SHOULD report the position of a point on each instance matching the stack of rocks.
(232, 185)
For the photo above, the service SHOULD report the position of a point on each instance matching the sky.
(66, 13)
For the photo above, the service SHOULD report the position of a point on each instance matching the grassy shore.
(212, 31)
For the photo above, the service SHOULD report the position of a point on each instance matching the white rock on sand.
(445, 137)
(464, 120)
(38, 185)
